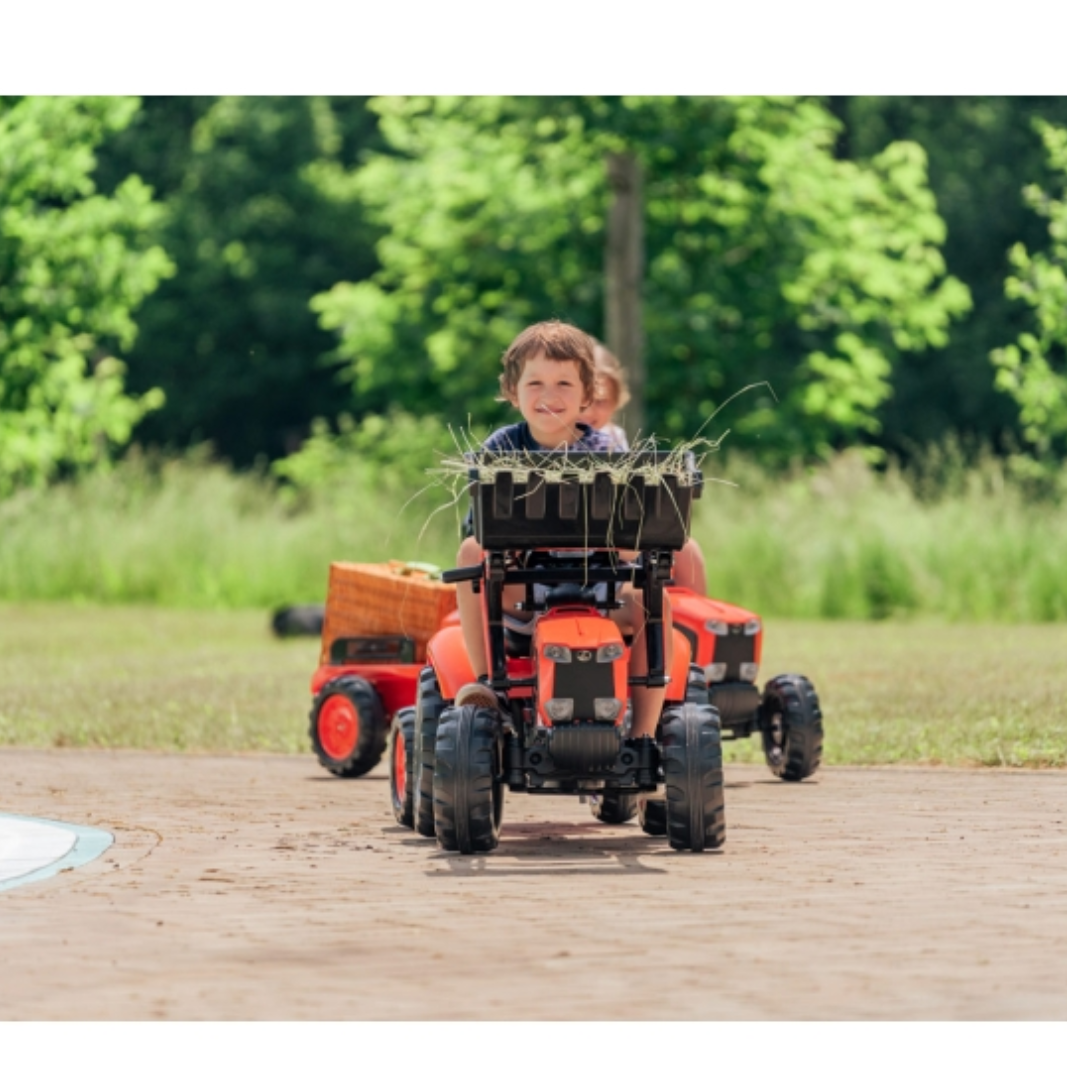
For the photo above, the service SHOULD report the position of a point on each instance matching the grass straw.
(649, 460)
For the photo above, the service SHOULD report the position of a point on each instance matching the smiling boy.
(550, 376)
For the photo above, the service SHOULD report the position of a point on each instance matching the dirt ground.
(261, 888)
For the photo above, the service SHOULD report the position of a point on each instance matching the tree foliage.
(1033, 370)
(794, 241)
(768, 258)
(982, 150)
(74, 266)
(231, 337)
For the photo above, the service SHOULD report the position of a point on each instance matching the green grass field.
(218, 681)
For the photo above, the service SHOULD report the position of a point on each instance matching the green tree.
(768, 259)
(74, 266)
(1033, 370)
(982, 150)
(230, 337)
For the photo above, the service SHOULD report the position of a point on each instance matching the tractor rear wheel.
(401, 766)
(652, 816)
(427, 715)
(692, 771)
(347, 726)
(468, 794)
(696, 686)
(613, 808)
(791, 727)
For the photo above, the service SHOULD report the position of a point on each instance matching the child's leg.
(689, 568)
(469, 604)
(647, 702)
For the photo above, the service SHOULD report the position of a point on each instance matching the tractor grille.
(733, 649)
(583, 682)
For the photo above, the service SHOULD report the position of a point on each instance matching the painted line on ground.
(33, 849)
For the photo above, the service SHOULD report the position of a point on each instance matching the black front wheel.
(692, 772)
(468, 794)
(791, 727)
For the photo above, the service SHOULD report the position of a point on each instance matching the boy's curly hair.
(556, 340)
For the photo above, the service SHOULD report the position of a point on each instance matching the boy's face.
(550, 396)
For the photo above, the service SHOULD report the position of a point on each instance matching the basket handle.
(430, 570)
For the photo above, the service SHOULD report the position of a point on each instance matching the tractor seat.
(516, 645)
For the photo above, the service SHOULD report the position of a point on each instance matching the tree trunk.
(624, 268)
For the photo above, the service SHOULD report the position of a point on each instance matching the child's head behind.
(556, 341)
(611, 391)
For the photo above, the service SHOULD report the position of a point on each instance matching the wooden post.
(624, 268)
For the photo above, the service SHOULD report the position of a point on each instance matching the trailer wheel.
(347, 726)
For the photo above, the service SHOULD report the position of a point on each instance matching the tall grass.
(844, 542)
(838, 541)
(191, 533)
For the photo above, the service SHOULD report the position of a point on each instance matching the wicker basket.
(369, 599)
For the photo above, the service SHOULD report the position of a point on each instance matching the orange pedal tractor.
(564, 692)
(393, 661)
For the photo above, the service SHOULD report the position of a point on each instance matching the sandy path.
(261, 888)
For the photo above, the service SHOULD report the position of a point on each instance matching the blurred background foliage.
(230, 337)
(767, 258)
(284, 307)
(74, 266)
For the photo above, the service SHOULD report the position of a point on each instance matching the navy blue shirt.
(518, 438)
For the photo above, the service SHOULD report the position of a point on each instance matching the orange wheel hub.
(400, 769)
(338, 727)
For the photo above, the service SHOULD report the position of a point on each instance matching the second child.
(611, 394)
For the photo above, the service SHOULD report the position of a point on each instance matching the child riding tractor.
(561, 725)
(564, 692)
